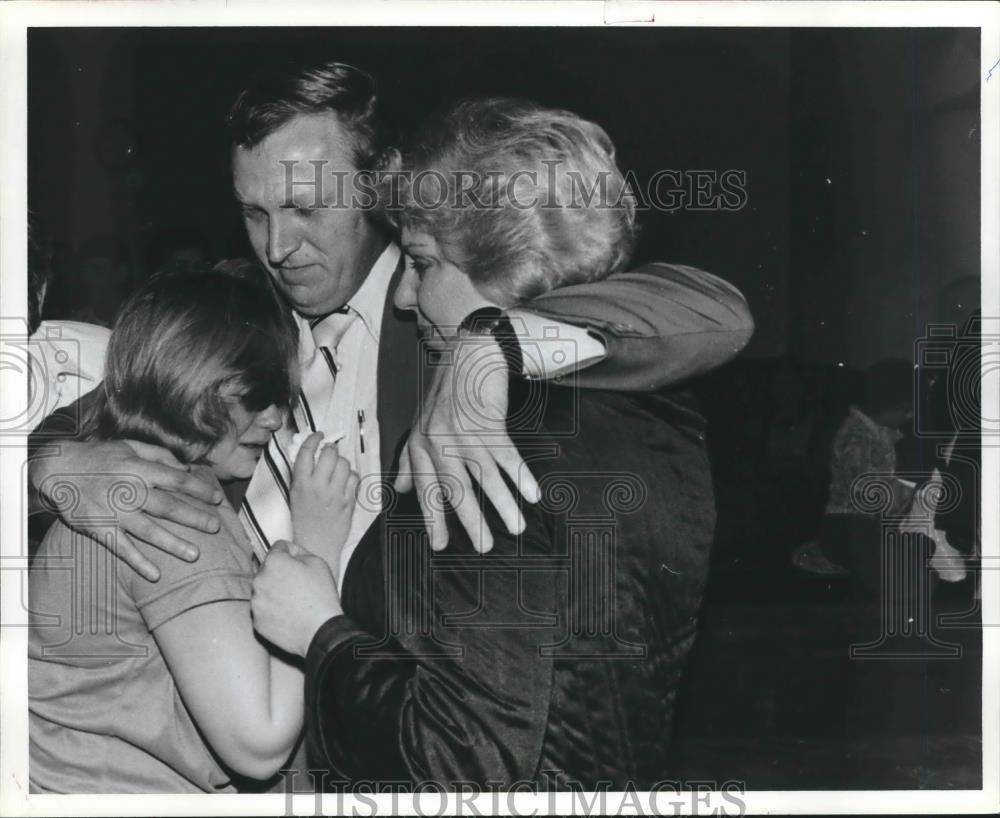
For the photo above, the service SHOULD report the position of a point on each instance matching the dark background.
(861, 147)
(861, 150)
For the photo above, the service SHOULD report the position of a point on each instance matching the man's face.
(318, 256)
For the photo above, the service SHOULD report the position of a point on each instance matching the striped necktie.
(265, 512)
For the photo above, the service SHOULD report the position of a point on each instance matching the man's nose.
(270, 419)
(405, 297)
(283, 239)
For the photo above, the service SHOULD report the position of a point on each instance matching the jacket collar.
(398, 376)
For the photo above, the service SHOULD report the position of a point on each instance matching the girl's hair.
(522, 198)
(185, 345)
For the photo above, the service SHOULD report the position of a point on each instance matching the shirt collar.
(369, 301)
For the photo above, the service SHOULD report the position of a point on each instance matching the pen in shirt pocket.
(361, 428)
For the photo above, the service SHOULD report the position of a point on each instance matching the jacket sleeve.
(661, 324)
(64, 423)
(466, 701)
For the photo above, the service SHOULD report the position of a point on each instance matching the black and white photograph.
(499, 408)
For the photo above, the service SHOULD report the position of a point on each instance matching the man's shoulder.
(55, 335)
(73, 329)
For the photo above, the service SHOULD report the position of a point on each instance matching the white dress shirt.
(353, 406)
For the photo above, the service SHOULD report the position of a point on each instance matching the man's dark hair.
(278, 96)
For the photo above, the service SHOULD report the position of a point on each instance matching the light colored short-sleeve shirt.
(66, 362)
(105, 714)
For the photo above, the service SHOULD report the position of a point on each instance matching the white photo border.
(17, 17)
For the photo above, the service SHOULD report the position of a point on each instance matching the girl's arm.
(246, 701)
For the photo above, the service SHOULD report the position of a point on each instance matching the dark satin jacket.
(555, 658)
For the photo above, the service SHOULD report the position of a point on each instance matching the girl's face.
(440, 293)
(235, 456)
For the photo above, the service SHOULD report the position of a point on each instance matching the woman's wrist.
(323, 615)
(552, 347)
(494, 322)
(537, 346)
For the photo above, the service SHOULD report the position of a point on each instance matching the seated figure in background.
(865, 443)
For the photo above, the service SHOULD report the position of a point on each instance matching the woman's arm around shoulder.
(661, 323)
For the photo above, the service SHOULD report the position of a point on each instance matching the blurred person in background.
(102, 281)
(180, 249)
(865, 443)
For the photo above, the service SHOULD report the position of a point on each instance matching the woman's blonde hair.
(522, 198)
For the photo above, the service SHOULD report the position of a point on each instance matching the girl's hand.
(323, 496)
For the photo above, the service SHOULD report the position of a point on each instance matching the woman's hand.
(324, 493)
(294, 593)
(461, 433)
(127, 484)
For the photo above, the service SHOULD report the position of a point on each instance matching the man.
(337, 266)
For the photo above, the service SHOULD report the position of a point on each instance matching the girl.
(148, 687)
